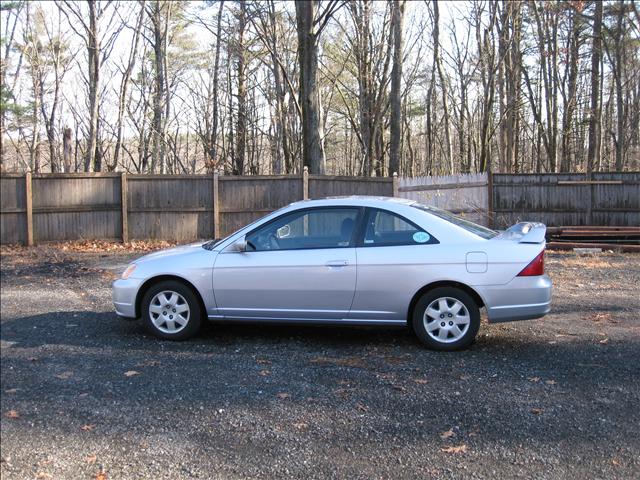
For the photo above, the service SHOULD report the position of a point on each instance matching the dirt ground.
(86, 395)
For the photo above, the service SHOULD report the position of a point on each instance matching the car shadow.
(94, 329)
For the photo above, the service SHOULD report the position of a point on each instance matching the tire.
(449, 306)
(171, 311)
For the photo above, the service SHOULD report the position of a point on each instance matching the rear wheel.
(171, 310)
(446, 318)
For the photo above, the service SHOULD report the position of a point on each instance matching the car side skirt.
(310, 321)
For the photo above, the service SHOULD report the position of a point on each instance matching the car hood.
(171, 252)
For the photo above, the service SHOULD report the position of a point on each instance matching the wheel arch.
(442, 283)
(162, 278)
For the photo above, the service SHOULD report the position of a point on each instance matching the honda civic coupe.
(346, 261)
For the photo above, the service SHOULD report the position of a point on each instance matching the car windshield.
(479, 230)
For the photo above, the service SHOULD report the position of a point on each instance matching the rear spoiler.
(526, 232)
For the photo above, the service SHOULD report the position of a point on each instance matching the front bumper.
(524, 298)
(124, 294)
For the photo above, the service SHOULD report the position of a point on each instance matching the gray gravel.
(551, 398)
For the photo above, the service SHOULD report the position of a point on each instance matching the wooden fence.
(46, 207)
(113, 206)
(559, 199)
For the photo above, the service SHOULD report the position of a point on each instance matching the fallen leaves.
(343, 392)
(91, 459)
(131, 373)
(420, 381)
(300, 425)
(263, 361)
(43, 476)
(601, 317)
(550, 382)
(101, 475)
(362, 407)
(448, 434)
(88, 427)
(533, 379)
(64, 375)
(604, 341)
(99, 246)
(12, 414)
(537, 411)
(149, 363)
(454, 449)
(283, 395)
(354, 362)
(265, 373)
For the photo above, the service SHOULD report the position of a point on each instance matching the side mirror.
(239, 246)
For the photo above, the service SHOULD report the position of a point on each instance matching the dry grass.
(87, 246)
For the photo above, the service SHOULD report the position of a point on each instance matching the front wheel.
(446, 318)
(170, 310)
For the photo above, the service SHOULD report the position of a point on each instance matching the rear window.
(479, 230)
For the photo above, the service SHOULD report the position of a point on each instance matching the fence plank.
(28, 192)
(124, 205)
(13, 212)
(216, 205)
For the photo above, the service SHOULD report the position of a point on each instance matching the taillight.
(536, 267)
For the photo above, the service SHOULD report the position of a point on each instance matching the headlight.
(127, 273)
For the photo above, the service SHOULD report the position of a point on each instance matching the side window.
(386, 228)
(317, 228)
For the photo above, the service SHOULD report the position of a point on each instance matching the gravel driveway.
(86, 395)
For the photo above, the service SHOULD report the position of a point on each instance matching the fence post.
(395, 184)
(216, 205)
(124, 203)
(490, 199)
(305, 183)
(29, 207)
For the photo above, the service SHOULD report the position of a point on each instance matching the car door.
(299, 266)
(391, 254)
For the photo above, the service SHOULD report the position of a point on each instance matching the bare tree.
(310, 23)
(124, 82)
(395, 97)
(594, 113)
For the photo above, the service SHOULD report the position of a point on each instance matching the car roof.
(360, 200)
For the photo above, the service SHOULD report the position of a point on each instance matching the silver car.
(346, 261)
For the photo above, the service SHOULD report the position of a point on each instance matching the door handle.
(337, 263)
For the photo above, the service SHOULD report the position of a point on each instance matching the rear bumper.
(124, 294)
(524, 298)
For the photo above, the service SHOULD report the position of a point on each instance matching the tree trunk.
(594, 114)
(66, 149)
(124, 85)
(312, 149)
(93, 55)
(241, 125)
(569, 107)
(158, 150)
(618, 65)
(443, 86)
(213, 141)
(395, 98)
